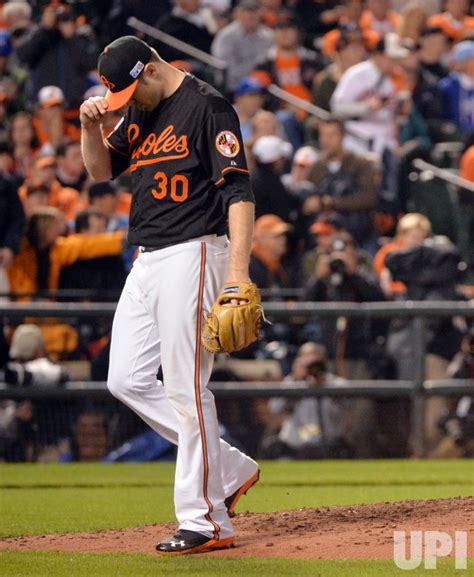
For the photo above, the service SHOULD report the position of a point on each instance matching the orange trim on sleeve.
(230, 169)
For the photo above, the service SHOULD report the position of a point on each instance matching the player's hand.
(92, 111)
(234, 277)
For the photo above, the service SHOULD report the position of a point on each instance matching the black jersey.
(182, 156)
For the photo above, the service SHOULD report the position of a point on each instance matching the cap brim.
(118, 99)
(52, 102)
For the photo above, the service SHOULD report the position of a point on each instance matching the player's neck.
(173, 79)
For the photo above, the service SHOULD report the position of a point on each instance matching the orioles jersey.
(187, 164)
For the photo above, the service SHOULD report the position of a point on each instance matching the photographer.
(312, 427)
(59, 54)
(430, 271)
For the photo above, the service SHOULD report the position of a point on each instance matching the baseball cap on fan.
(120, 66)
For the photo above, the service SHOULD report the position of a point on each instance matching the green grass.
(41, 499)
(122, 565)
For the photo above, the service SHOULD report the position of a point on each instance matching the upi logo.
(428, 546)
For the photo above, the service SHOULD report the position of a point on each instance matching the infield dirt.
(349, 532)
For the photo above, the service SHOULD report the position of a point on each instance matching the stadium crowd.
(341, 213)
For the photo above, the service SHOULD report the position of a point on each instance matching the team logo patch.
(227, 144)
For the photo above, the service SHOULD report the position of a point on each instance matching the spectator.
(430, 272)
(12, 220)
(36, 196)
(311, 428)
(70, 170)
(414, 17)
(267, 266)
(18, 431)
(44, 251)
(345, 183)
(242, 42)
(348, 50)
(24, 142)
(248, 100)
(412, 230)
(101, 274)
(13, 79)
(105, 198)
(49, 123)
(457, 88)
(317, 18)
(271, 10)
(59, 54)
(292, 68)
(271, 153)
(367, 93)
(426, 95)
(17, 18)
(380, 18)
(338, 276)
(188, 22)
(349, 24)
(455, 21)
(29, 364)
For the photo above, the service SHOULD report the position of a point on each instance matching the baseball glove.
(228, 328)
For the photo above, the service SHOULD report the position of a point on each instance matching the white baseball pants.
(158, 322)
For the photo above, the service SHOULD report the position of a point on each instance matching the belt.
(203, 238)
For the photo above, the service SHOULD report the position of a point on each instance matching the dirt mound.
(355, 532)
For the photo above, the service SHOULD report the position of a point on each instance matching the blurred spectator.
(29, 364)
(348, 25)
(18, 431)
(17, 18)
(189, 22)
(36, 196)
(44, 251)
(49, 123)
(457, 88)
(467, 164)
(426, 96)
(292, 68)
(24, 142)
(100, 274)
(12, 220)
(348, 50)
(287, 63)
(455, 21)
(248, 100)
(13, 79)
(89, 441)
(242, 42)
(70, 170)
(268, 268)
(271, 10)
(297, 180)
(379, 17)
(311, 428)
(271, 153)
(317, 18)
(59, 53)
(412, 230)
(345, 183)
(414, 17)
(367, 93)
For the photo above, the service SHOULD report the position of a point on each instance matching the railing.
(443, 174)
(415, 389)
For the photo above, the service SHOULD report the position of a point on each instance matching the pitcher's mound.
(355, 532)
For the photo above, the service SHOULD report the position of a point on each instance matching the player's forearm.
(95, 153)
(241, 218)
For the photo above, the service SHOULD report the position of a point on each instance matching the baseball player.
(181, 140)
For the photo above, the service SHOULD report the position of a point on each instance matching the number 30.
(179, 187)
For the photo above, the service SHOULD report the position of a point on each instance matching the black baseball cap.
(120, 66)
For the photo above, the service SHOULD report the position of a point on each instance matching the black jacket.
(12, 217)
(271, 197)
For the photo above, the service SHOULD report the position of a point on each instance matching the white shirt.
(359, 83)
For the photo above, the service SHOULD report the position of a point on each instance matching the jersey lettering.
(164, 146)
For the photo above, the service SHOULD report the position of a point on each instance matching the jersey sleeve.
(118, 145)
(221, 147)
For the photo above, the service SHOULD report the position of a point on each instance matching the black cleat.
(188, 542)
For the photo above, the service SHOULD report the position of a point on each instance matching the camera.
(37, 372)
(337, 265)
